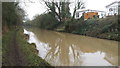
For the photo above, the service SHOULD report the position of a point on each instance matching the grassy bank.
(106, 28)
(28, 51)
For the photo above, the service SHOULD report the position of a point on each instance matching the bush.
(95, 27)
(11, 15)
(45, 21)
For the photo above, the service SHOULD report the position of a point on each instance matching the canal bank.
(104, 28)
(17, 52)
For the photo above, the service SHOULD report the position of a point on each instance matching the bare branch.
(78, 5)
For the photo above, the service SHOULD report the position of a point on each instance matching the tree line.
(12, 15)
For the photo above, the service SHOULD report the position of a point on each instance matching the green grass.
(5, 46)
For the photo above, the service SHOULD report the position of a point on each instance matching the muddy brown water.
(64, 49)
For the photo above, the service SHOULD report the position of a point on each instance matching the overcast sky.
(35, 8)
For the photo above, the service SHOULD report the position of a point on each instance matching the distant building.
(88, 14)
(112, 9)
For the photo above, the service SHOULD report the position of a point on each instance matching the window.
(77, 14)
(111, 9)
(118, 5)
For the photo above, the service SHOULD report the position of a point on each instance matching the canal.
(64, 49)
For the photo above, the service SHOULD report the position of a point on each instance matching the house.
(112, 8)
(88, 14)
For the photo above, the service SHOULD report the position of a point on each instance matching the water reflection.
(41, 47)
(67, 49)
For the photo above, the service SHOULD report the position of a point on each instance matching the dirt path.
(15, 55)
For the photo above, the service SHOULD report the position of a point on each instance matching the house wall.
(112, 9)
(90, 15)
(79, 14)
(102, 14)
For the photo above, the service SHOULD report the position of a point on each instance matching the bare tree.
(57, 7)
(54, 7)
(79, 4)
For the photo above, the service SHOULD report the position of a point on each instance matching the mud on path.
(15, 56)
